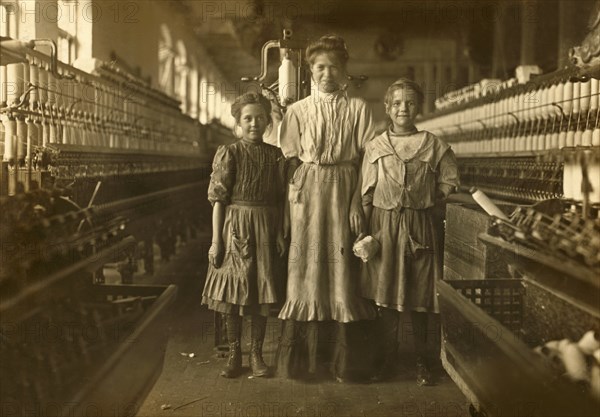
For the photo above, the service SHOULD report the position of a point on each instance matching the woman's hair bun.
(329, 43)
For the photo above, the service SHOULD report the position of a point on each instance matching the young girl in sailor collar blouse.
(404, 172)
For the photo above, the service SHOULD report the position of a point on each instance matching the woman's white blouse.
(327, 128)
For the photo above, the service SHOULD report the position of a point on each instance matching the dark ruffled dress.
(248, 178)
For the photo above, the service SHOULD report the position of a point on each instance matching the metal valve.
(291, 84)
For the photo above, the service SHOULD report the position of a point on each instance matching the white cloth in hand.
(366, 248)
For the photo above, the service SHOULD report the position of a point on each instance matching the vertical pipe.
(594, 91)
(31, 134)
(14, 83)
(45, 133)
(25, 81)
(34, 80)
(40, 134)
(10, 130)
(21, 140)
(576, 97)
(51, 91)
(31, 139)
(3, 86)
(43, 83)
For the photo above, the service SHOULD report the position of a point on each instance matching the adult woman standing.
(323, 137)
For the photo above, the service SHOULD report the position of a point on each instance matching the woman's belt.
(400, 209)
(337, 164)
(252, 203)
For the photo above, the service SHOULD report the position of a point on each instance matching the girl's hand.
(357, 221)
(281, 247)
(216, 253)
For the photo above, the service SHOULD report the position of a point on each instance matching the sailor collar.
(430, 151)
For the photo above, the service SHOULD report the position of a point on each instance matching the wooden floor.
(190, 385)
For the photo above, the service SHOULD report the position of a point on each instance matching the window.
(66, 47)
(166, 61)
(67, 31)
(181, 76)
(218, 105)
(203, 99)
(211, 99)
(8, 20)
(193, 89)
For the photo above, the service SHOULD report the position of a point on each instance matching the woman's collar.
(330, 97)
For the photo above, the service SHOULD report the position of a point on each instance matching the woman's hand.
(286, 221)
(286, 226)
(292, 166)
(281, 247)
(357, 216)
(357, 221)
(216, 253)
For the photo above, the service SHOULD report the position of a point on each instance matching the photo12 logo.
(70, 11)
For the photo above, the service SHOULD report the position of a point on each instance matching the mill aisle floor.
(190, 384)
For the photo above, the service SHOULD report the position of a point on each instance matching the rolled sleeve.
(365, 128)
(290, 134)
(222, 177)
(447, 178)
(369, 180)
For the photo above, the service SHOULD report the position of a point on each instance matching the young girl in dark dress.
(405, 171)
(246, 190)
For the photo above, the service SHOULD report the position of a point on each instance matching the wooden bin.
(482, 351)
(464, 254)
(77, 368)
(127, 376)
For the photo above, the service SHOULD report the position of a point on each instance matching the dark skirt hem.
(230, 308)
(304, 311)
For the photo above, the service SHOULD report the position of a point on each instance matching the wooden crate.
(129, 373)
(484, 353)
(102, 356)
(465, 256)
